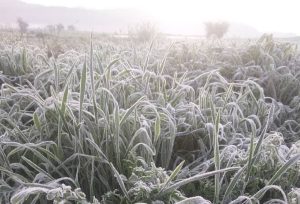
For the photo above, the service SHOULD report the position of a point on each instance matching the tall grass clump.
(108, 122)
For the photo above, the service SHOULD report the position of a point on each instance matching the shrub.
(143, 32)
(217, 29)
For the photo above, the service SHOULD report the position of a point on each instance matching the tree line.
(144, 31)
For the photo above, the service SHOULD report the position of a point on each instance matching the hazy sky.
(264, 15)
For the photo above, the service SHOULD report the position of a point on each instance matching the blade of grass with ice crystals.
(257, 196)
(163, 62)
(60, 122)
(82, 90)
(116, 122)
(108, 73)
(148, 56)
(22, 195)
(283, 169)
(123, 119)
(56, 73)
(24, 60)
(233, 183)
(120, 180)
(117, 135)
(92, 80)
(251, 149)
(142, 134)
(37, 122)
(157, 128)
(172, 176)
(37, 168)
(92, 179)
(195, 178)
(260, 140)
(217, 157)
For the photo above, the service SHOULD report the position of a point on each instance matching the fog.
(173, 16)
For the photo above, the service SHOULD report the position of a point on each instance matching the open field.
(113, 120)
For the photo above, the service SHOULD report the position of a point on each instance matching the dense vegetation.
(113, 120)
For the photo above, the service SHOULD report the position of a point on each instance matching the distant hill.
(104, 20)
(83, 19)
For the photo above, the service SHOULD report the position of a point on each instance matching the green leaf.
(37, 122)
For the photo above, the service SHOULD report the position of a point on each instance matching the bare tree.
(217, 29)
(23, 26)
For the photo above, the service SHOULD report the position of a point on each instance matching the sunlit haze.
(265, 16)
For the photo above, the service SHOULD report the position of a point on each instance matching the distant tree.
(40, 35)
(50, 28)
(143, 32)
(59, 28)
(71, 28)
(217, 29)
(23, 26)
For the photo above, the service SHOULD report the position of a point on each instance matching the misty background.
(111, 20)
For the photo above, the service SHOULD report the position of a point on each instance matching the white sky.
(264, 15)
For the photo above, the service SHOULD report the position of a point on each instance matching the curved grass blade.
(283, 169)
